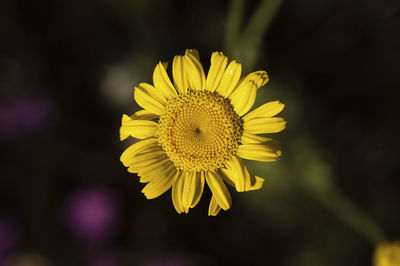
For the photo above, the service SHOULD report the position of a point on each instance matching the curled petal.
(140, 129)
(256, 183)
(230, 176)
(244, 95)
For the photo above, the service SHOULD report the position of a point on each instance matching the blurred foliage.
(67, 71)
(244, 45)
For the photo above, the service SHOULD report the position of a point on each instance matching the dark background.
(67, 71)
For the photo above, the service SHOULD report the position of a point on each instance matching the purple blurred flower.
(8, 235)
(24, 116)
(92, 214)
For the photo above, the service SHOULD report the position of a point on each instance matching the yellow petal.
(230, 78)
(162, 183)
(249, 138)
(146, 168)
(231, 176)
(217, 69)
(257, 183)
(144, 159)
(140, 129)
(147, 97)
(194, 70)
(162, 82)
(263, 125)
(219, 190)
(177, 192)
(175, 195)
(200, 179)
(148, 164)
(134, 149)
(243, 100)
(274, 145)
(214, 208)
(239, 174)
(194, 53)
(266, 110)
(227, 176)
(258, 152)
(178, 73)
(153, 172)
(244, 95)
(144, 115)
(189, 183)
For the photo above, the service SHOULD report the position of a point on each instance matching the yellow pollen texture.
(199, 130)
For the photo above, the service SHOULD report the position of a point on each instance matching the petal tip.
(125, 118)
(122, 136)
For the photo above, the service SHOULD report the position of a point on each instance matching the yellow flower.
(196, 131)
(387, 254)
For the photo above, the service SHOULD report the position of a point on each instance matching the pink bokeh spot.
(92, 214)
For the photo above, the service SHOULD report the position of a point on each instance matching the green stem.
(234, 22)
(247, 47)
(349, 213)
(262, 18)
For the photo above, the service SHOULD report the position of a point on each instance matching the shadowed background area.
(67, 72)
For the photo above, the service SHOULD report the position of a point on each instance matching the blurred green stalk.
(234, 21)
(343, 208)
(245, 46)
(318, 182)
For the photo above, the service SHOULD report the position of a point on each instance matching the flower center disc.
(199, 130)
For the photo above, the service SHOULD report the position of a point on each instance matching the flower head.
(387, 254)
(197, 131)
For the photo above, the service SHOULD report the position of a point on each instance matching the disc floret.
(199, 130)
